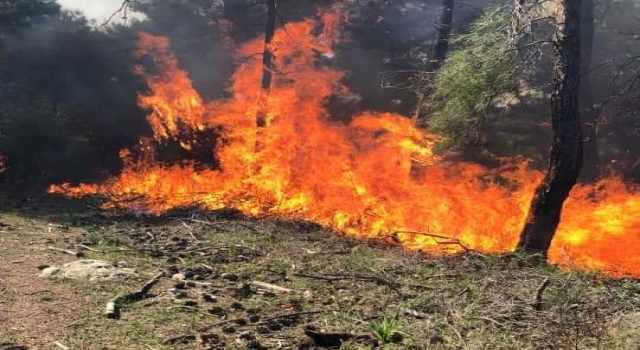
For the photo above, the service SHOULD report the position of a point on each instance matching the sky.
(98, 10)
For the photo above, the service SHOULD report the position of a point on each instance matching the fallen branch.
(61, 346)
(378, 279)
(445, 240)
(112, 308)
(537, 301)
(341, 277)
(66, 251)
(86, 247)
(271, 287)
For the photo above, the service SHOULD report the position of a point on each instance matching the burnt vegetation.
(490, 88)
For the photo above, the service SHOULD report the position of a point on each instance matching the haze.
(98, 10)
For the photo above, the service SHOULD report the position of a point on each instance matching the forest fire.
(376, 177)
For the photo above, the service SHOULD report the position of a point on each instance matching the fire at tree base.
(377, 176)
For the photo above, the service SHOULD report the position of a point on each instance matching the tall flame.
(376, 177)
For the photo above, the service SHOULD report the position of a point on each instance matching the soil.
(232, 282)
(34, 310)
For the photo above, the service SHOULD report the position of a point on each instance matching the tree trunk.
(443, 26)
(267, 56)
(566, 149)
(589, 128)
(267, 74)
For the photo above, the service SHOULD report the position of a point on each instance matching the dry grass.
(391, 298)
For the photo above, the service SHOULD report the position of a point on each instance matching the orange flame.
(375, 177)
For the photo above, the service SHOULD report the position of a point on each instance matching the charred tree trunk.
(443, 26)
(267, 73)
(591, 157)
(566, 149)
(267, 56)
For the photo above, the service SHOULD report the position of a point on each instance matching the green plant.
(387, 329)
(481, 68)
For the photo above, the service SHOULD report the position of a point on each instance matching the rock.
(179, 277)
(211, 339)
(217, 310)
(236, 306)
(177, 293)
(243, 290)
(229, 277)
(288, 321)
(89, 270)
(124, 263)
(274, 325)
(248, 340)
(241, 322)
(263, 330)
(209, 297)
(229, 329)
(49, 272)
(307, 294)
(189, 302)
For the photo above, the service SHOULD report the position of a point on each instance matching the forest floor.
(231, 282)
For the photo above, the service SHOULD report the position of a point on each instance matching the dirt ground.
(33, 310)
(231, 282)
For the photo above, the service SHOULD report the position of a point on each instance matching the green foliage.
(387, 330)
(481, 68)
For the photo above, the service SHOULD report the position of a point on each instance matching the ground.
(231, 282)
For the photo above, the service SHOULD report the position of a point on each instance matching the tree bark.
(443, 26)
(566, 149)
(267, 56)
(267, 74)
(591, 157)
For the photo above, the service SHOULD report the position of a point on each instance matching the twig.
(293, 314)
(61, 346)
(123, 8)
(537, 301)
(455, 330)
(66, 251)
(446, 240)
(112, 308)
(85, 247)
(271, 287)
(190, 231)
(340, 277)
(490, 320)
(208, 267)
(415, 313)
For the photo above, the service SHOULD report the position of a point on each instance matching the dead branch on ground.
(537, 301)
(112, 308)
